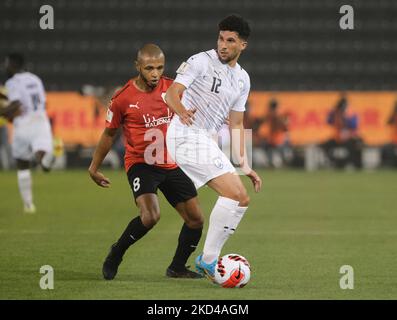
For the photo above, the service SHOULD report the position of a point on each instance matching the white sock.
(25, 186)
(47, 161)
(224, 219)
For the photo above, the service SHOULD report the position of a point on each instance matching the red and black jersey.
(144, 117)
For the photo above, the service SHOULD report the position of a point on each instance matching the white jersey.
(213, 88)
(28, 89)
(32, 129)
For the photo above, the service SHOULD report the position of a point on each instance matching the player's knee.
(150, 217)
(244, 200)
(195, 222)
(242, 197)
(39, 156)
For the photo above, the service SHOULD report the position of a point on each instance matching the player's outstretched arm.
(173, 100)
(236, 125)
(101, 150)
(10, 111)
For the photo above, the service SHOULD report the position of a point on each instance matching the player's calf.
(134, 231)
(224, 219)
(187, 243)
(46, 160)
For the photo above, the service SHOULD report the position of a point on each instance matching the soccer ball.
(232, 271)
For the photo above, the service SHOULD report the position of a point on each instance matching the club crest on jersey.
(152, 121)
(218, 162)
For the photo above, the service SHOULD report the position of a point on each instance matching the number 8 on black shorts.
(174, 184)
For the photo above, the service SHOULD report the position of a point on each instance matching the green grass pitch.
(297, 234)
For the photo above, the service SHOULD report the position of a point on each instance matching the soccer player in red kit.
(140, 110)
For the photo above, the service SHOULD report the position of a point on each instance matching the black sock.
(187, 243)
(134, 231)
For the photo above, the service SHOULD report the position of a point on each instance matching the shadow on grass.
(70, 275)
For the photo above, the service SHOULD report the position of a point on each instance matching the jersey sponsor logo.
(218, 73)
(109, 116)
(134, 105)
(182, 68)
(152, 121)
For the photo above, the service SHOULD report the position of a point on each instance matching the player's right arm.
(187, 73)
(173, 100)
(101, 150)
(114, 118)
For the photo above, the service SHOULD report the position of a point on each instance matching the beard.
(147, 82)
(228, 59)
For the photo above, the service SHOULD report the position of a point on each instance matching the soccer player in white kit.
(32, 131)
(213, 87)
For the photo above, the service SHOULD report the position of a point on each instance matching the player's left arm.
(236, 125)
(14, 107)
(11, 110)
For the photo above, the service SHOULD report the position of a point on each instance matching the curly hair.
(236, 23)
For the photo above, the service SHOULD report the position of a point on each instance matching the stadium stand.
(298, 43)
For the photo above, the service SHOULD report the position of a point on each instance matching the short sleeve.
(190, 70)
(242, 99)
(114, 115)
(13, 92)
(42, 92)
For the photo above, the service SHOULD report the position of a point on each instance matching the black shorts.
(174, 184)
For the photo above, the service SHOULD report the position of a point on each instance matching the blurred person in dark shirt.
(389, 150)
(272, 134)
(345, 145)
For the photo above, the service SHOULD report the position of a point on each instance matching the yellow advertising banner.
(79, 119)
(76, 119)
(307, 113)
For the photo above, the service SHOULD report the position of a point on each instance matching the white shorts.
(31, 134)
(196, 153)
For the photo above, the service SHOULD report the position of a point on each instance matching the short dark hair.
(16, 59)
(236, 23)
